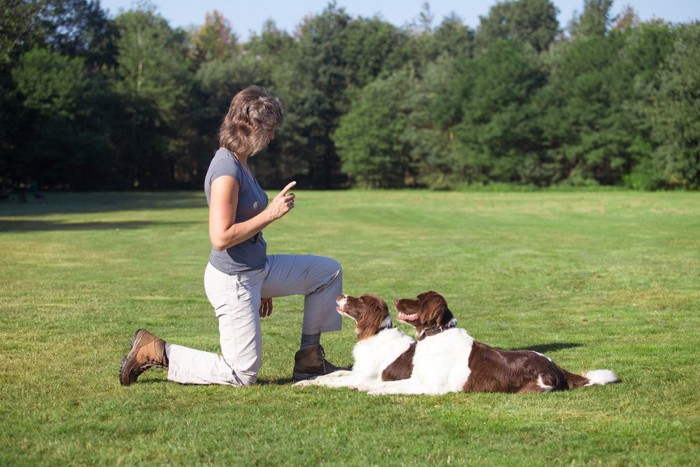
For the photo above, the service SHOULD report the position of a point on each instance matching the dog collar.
(436, 329)
(386, 324)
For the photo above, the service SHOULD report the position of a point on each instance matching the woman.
(241, 277)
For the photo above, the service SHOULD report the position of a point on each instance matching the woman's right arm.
(224, 232)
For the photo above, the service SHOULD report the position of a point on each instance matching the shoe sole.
(124, 375)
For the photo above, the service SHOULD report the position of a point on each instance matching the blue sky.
(246, 16)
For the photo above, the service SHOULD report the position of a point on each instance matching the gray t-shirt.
(250, 254)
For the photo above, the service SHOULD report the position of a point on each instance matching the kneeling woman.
(241, 278)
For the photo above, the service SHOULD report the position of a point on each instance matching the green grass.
(594, 279)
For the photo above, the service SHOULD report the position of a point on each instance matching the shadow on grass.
(67, 202)
(277, 382)
(37, 226)
(261, 382)
(553, 347)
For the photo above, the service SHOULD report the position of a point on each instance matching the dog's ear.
(372, 317)
(433, 308)
(381, 308)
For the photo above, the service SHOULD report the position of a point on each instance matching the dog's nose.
(340, 297)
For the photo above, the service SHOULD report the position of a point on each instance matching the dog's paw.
(306, 382)
(361, 387)
(377, 390)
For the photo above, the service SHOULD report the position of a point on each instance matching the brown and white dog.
(447, 359)
(382, 352)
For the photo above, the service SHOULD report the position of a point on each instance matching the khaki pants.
(236, 302)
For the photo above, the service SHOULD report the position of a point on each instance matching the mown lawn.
(593, 279)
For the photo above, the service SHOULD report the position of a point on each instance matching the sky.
(248, 17)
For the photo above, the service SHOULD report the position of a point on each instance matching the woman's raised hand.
(282, 203)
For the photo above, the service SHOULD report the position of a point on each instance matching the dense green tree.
(214, 40)
(594, 21)
(78, 28)
(371, 138)
(64, 142)
(497, 137)
(628, 19)
(271, 43)
(315, 95)
(675, 113)
(17, 29)
(409, 144)
(89, 102)
(51, 83)
(70, 27)
(577, 111)
(636, 76)
(529, 21)
(16, 36)
(592, 108)
(434, 109)
(371, 48)
(451, 38)
(152, 83)
(50, 115)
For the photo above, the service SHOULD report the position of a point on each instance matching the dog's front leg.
(335, 379)
(405, 386)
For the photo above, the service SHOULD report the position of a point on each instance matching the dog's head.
(426, 312)
(370, 313)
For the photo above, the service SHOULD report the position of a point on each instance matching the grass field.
(595, 280)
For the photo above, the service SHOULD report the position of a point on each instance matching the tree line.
(91, 102)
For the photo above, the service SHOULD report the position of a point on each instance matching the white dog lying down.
(447, 359)
(382, 352)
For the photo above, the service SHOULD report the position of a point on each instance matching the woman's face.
(265, 135)
(269, 133)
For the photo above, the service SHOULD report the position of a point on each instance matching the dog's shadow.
(553, 347)
(279, 381)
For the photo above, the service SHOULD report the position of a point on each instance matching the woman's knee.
(331, 274)
(331, 266)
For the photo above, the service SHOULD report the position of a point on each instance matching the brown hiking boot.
(147, 351)
(310, 362)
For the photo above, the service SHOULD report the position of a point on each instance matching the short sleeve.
(224, 165)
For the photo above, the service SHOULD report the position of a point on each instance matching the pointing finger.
(289, 186)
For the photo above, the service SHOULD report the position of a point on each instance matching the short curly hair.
(252, 112)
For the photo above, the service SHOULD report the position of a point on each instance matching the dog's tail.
(591, 378)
